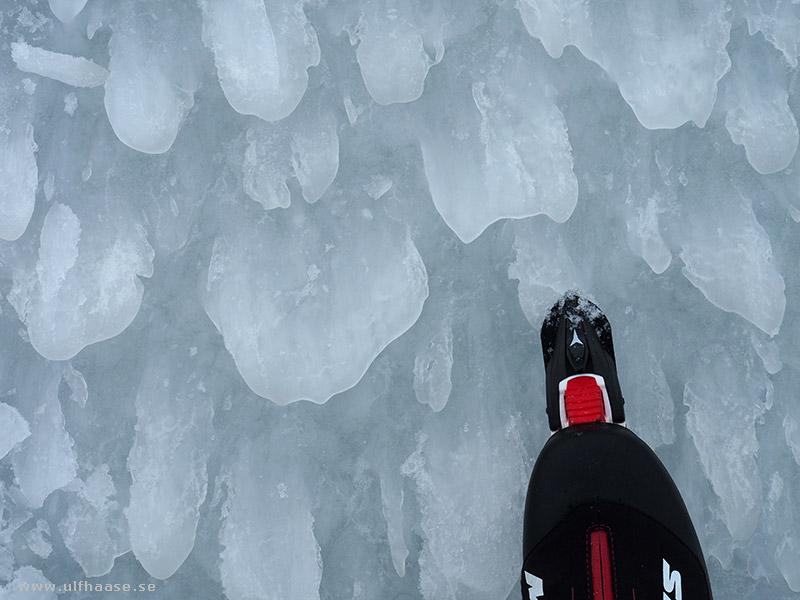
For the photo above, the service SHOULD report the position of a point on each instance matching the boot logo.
(536, 586)
(672, 582)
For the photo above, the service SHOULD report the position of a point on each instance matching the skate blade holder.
(583, 398)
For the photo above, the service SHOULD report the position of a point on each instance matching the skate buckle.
(583, 398)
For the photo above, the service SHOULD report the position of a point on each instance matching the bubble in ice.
(72, 70)
(728, 256)
(722, 396)
(45, 461)
(37, 539)
(651, 414)
(13, 428)
(307, 150)
(433, 367)
(399, 43)
(19, 174)
(15, 517)
(543, 267)
(168, 465)
(67, 10)
(153, 75)
(780, 25)
(378, 185)
(768, 351)
(788, 557)
(315, 156)
(791, 427)
(70, 103)
(514, 155)
(391, 55)
(85, 286)
(266, 168)
(57, 255)
(758, 115)
(463, 521)
(644, 230)
(665, 58)
(392, 497)
(267, 531)
(262, 53)
(95, 530)
(78, 390)
(304, 304)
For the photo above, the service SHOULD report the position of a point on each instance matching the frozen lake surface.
(272, 275)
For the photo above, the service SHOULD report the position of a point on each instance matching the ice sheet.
(212, 211)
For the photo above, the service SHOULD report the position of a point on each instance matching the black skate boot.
(603, 518)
